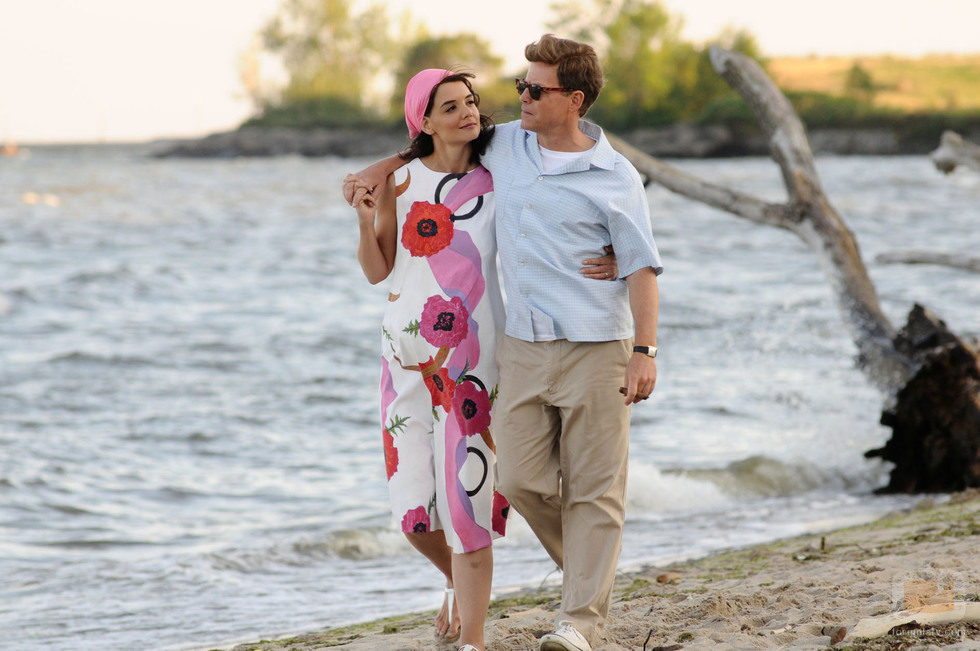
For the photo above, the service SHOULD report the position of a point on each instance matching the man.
(562, 425)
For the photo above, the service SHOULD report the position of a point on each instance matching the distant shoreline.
(675, 141)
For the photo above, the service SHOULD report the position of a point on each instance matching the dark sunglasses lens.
(532, 89)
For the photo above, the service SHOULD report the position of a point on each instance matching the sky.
(117, 70)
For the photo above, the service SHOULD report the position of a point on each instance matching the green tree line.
(341, 68)
(347, 68)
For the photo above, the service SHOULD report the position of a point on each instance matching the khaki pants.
(562, 435)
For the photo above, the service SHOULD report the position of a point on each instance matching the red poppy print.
(391, 452)
(501, 507)
(444, 323)
(471, 404)
(416, 520)
(428, 229)
(440, 387)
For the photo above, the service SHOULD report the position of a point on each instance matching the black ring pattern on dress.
(438, 199)
(486, 469)
(472, 378)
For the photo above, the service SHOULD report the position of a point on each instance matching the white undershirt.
(552, 160)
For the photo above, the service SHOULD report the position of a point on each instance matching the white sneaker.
(565, 638)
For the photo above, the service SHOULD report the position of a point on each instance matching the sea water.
(190, 452)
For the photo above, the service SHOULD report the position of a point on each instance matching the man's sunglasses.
(534, 90)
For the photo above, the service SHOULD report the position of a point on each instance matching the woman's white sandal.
(450, 600)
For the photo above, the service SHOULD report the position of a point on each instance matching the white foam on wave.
(651, 491)
(357, 544)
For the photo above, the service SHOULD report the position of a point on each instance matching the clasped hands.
(357, 190)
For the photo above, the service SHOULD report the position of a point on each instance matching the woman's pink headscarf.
(417, 96)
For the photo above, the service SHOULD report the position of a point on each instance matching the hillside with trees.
(322, 68)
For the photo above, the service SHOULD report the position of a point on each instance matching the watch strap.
(650, 351)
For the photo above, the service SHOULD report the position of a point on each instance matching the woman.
(433, 233)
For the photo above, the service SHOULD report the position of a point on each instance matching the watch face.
(650, 351)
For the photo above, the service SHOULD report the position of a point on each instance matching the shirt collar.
(602, 155)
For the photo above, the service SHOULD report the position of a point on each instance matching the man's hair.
(578, 65)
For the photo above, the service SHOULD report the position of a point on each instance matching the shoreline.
(680, 140)
(795, 592)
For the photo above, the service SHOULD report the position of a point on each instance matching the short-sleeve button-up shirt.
(548, 222)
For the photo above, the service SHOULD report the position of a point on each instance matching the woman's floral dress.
(438, 375)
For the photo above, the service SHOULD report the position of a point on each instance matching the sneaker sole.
(551, 643)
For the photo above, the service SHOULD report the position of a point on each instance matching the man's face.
(553, 107)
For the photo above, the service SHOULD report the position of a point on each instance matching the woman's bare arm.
(378, 226)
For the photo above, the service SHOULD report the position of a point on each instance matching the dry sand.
(790, 594)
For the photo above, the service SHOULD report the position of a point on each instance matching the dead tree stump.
(955, 152)
(935, 418)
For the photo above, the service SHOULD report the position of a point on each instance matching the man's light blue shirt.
(548, 222)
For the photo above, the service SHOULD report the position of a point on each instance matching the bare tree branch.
(963, 262)
(690, 186)
(808, 213)
(931, 376)
(780, 124)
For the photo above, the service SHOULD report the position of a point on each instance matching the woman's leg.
(472, 574)
(406, 419)
(432, 545)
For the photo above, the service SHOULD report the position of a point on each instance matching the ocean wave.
(95, 275)
(762, 476)
(19, 295)
(355, 544)
(650, 490)
(218, 347)
(663, 491)
(87, 358)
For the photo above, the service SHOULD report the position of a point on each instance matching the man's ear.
(577, 97)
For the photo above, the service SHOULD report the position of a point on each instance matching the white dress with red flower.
(438, 378)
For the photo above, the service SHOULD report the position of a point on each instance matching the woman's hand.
(355, 189)
(604, 268)
(365, 204)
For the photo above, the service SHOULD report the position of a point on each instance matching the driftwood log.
(964, 262)
(954, 612)
(953, 151)
(931, 378)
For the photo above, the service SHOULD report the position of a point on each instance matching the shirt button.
(526, 295)
(528, 206)
(521, 263)
(523, 234)
(540, 177)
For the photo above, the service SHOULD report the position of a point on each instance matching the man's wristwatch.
(650, 351)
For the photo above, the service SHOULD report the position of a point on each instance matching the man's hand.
(641, 378)
(604, 268)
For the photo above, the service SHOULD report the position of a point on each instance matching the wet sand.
(797, 593)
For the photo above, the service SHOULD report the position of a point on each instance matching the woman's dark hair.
(422, 144)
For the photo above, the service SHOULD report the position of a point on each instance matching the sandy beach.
(806, 592)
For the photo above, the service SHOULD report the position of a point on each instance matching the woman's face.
(455, 117)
